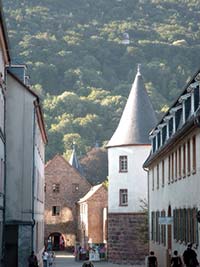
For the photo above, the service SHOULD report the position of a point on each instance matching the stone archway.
(56, 241)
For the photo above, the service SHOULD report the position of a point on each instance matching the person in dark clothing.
(190, 257)
(32, 260)
(152, 260)
(87, 264)
(176, 260)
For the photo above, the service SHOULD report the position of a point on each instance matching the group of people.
(47, 257)
(189, 258)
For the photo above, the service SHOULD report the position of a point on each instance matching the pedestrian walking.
(51, 258)
(152, 260)
(45, 258)
(190, 257)
(87, 264)
(176, 260)
(32, 260)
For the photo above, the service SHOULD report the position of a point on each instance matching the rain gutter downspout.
(147, 170)
(5, 175)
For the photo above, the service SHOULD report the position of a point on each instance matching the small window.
(163, 173)
(158, 177)
(123, 197)
(45, 187)
(194, 155)
(152, 178)
(56, 188)
(55, 210)
(75, 188)
(188, 158)
(123, 163)
(184, 160)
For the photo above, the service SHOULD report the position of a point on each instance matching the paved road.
(67, 260)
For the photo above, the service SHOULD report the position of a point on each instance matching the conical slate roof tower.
(138, 117)
(127, 151)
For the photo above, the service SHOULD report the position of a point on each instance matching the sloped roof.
(5, 33)
(138, 117)
(58, 157)
(92, 191)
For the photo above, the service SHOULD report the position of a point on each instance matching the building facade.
(127, 150)
(173, 176)
(64, 186)
(92, 223)
(24, 203)
(4, 61)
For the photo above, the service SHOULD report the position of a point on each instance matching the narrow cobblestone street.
(64, 259)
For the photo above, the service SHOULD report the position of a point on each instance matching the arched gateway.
(56, 241)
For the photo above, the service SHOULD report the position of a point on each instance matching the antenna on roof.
(138, 68)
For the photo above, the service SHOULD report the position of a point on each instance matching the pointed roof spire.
(74, 160)
(138, 117)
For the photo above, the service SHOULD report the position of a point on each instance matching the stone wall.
(125, 244)
(24, 244)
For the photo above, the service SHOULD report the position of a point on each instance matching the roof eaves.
(177, 137)
(41, 120)
(24, 85)
(176, 101)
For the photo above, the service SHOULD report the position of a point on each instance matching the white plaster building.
(4, 60)
(25, 140)
(173, 176)
(127, 150)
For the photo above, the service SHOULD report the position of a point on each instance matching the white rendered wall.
(183, 193)
(135, 180)
(19, 151)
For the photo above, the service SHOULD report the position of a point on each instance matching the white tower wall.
(135, 180)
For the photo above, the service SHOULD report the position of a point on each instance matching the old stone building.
(92, 216)
(64, 186)
(127, 150)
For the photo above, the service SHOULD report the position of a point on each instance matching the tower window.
(123, 197)
(123, 164)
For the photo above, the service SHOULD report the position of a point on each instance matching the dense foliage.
(81, 67)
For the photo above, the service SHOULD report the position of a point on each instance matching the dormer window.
(169, 121)
(196, 98)
(187, 108)
(123, 164)
(158, 139)
(178, 118)
(171, 126)
(164, 134)
(186, 105)
(154, 143)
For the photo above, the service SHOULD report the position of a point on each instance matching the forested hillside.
(81, 68)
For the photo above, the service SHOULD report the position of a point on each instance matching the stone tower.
(127, 150)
